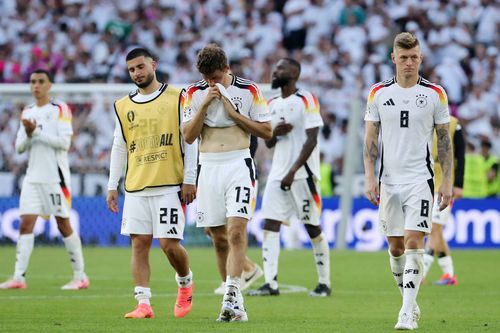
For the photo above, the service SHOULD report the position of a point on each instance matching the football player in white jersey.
(292, 186)
(45, 133)
(405, 110)
(224, 110)
(161, 171)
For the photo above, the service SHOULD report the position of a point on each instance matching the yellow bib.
(438, 173)
(151, 131)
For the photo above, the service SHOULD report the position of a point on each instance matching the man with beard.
(292, 185)
(161, 171)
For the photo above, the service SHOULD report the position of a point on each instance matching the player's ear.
(393, 57)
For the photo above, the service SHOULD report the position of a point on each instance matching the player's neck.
(42, 101)
(407, 81)
(153, 86)
(288, 90)
(226, 81)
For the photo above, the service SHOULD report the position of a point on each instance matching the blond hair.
(405, 40)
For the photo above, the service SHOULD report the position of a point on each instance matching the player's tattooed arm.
(370, 149)
(445, 153)
(370, 155)
(445, 157)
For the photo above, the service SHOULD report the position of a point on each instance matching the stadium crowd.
(343, 46)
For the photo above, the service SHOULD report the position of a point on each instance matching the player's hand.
(188, 193)
(282, 129)
(286, 183)
(444, 195)
(112, 201)
(231, 112)
(213, 93)
(29, 126)
(457, 192)
(372, 191)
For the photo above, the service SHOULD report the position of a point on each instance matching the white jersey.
(302, 111)
(49, 144)
(407, 119)
(245, 94)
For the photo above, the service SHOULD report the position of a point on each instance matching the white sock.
(142, 295)
(428, 260)
(398, 268)
(185, 281)
(74, 248)
(24, 248)
(411, 278)
(322, 258)
(270, 256)
(446, 265)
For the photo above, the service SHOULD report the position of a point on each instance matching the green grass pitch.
(364, 299)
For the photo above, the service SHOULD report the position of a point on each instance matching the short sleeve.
(441, 112)
(259, 111)
(64, 120)
(189, 103)
(312, 116)
(371, 112)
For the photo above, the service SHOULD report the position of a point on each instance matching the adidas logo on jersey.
(389, 102)
(172, 231)
(243, 210)
(423, 224)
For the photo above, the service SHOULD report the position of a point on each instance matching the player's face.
(142, 71)
(40, 85)
(281, 75)
(216, 77)
(407, 61)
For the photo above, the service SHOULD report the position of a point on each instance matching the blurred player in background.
(45, 132)
(224, 110)
(161, 171)
(405, 110)
(436, 244)
(292, 186)
(251, 271)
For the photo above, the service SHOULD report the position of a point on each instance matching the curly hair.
(211, 58)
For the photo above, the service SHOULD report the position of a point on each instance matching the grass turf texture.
(364, 298)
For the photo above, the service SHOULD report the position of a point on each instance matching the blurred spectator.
(343, 45)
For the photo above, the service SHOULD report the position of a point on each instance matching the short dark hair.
(139, 52)
(211, 58)
(486, 143)
(294, 63)
(43, 71)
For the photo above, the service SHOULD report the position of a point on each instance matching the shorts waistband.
(224, 157)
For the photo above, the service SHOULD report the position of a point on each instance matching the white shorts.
(160, 215)
(45, 199)
(440, 217)
(302, 200)
(226, 187)
(406, 207)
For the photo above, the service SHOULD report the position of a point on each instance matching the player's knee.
(397, 251)
(272, 225)
(313, 230)
(220, 244)
(170, 246)
(236, 237)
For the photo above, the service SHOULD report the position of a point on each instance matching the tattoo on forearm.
(445, 154)
(371, 145)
